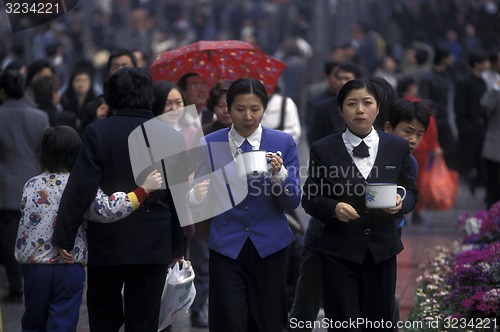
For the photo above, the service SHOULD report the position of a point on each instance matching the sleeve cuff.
(281, 176)
(192, 200)
(133, 200)
(140, 197)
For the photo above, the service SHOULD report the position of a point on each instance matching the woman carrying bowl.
(249, 232)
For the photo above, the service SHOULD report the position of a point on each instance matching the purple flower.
(463, 280)
(488, 222)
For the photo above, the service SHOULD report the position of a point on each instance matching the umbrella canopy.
(217, 60)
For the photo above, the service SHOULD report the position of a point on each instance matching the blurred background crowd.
(368, 30)
(445, 51)
(393, 39)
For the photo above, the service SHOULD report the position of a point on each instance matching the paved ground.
(437, 228)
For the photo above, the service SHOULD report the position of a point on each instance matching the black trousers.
(365, 291)
(9, 223)
(139, 307)
(198, 255)
(493, 182)
(308, 294)
(247, 294)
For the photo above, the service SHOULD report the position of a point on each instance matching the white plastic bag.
(178, 294)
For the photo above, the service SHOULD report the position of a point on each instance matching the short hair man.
(195, 91)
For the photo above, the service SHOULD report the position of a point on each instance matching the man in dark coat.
(133, 254)
(323, 117)
(437, 85)
(471, 119)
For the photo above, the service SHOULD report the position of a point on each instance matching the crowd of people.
(440, 95)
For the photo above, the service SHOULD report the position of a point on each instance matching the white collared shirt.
(235, 141)
(364, 165)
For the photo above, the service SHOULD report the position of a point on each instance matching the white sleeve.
(292, 122)
(107, 209)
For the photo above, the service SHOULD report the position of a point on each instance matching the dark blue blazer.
(260, 214)
(333, 177)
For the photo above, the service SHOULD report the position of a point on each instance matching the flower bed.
(461, 282)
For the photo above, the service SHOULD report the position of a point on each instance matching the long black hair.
(161, 90)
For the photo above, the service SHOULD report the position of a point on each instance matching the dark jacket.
(151, 234)
(333, 178)
(324, 116)
(471, 120)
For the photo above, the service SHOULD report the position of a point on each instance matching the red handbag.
(440, 186)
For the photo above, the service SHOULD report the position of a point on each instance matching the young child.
(409, 120)
(52, 289)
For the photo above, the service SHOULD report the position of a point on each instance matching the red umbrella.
(216, 60)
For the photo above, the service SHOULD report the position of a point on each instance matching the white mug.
(382, 195)
(252, 163)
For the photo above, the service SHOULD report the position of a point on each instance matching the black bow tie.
(361, 151)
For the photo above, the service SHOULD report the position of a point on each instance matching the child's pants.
(52, 296)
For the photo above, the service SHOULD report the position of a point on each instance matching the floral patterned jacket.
(39, 206)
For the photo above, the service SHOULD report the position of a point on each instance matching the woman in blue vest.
(249, 232)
